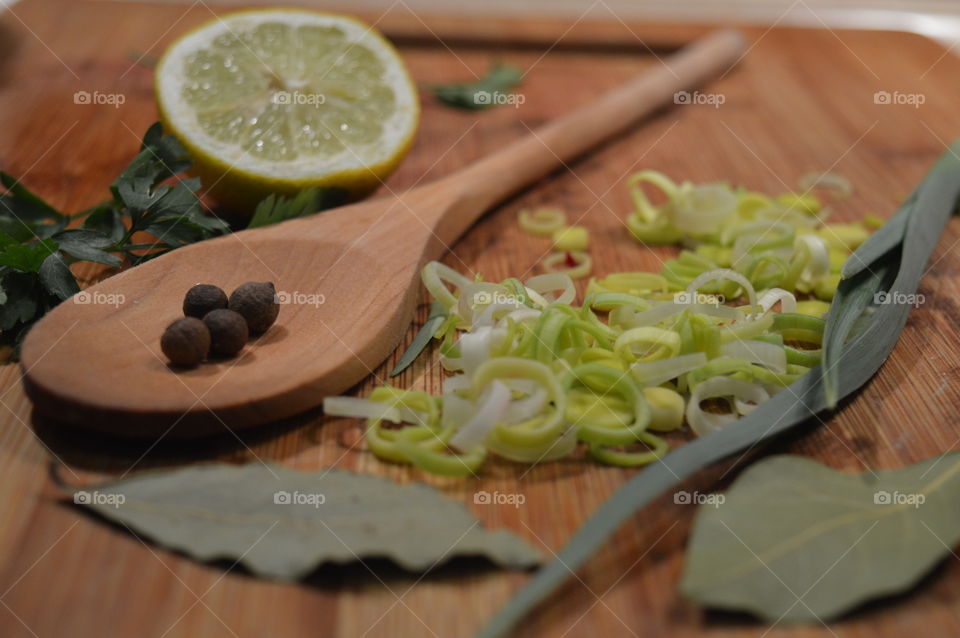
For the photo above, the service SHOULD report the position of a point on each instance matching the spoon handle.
(499, 175)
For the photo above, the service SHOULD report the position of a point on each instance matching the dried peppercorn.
(228, 331)
(257, 302)
(203, 298)
(186, 341)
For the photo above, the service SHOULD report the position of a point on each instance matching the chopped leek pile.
(534, 376)
(777, 242)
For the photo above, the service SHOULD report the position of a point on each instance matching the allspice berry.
(203, 298)
(228, 331)
(258, 304)
(186, 341)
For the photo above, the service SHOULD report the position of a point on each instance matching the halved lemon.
(277, 100)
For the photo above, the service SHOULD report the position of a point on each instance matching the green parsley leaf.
(27, 257)
(105, 219)
(24, 300)
(479, 95)
(56, 277)
(274, 209)
(24, 216)
(87, 245)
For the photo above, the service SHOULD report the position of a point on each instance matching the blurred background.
(884, 14)
(939, 19)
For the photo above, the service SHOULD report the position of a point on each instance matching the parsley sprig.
(39, 243)
(479, 95)
(275, 209)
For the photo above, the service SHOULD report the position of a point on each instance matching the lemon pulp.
(279, 100)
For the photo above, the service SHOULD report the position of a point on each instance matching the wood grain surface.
(801, 100)
(92, 365)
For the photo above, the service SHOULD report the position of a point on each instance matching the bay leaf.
(281, 523)
(795, 541)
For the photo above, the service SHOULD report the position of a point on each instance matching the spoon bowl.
(97, 356)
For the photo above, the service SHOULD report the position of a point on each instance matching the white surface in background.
(937, 19)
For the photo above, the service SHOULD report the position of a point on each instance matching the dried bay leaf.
(795, 541)
(282, 523)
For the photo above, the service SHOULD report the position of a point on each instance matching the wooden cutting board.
(802, 100)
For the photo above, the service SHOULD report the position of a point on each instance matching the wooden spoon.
(98, 364)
